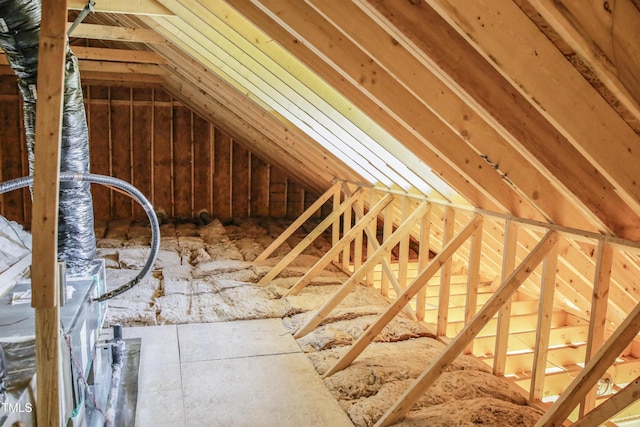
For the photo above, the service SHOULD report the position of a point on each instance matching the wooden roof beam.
(132, 7)
(377, 37)
(315, 61)
(586, 127)
(119, 34)
(606, 36)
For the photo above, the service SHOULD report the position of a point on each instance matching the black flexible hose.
(17, 183)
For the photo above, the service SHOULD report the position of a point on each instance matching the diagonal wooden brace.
(298, 222)
(346, 239)
(284, 262)
(460, 342)
(351, 283)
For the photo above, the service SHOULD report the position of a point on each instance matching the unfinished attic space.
(319, 213)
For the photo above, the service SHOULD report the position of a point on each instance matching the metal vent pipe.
(19, 38)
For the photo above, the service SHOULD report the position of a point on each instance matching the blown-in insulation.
(19, 38)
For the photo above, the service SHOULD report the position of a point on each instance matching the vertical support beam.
(335, 188)
(44, 271)
(317, 231)
(357, 250)
(372, 234)
(403, 248)
(423, 260)
(599, 303)
(445, 275)
(458, 344)
(592, 371)
(335, 230)
(346, 287)
(346, 226)
(504, 315)
(475, 255)
(387, 230)
(543, 331)
(403, 299)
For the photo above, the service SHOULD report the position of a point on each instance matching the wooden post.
(475, 255)
(445, 275)
(335, 230)
(543, 330)
(423, 260)
(597, 322)
(44, 271)
(387, 230)
(455, 347)
(504, 315)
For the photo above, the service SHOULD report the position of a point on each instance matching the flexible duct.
(19, 38)
(15, 184)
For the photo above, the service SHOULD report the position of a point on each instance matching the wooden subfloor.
(241, 373)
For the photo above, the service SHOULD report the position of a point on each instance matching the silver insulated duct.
(19, 38)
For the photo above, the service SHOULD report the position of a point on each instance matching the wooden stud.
(182, 161)
(335, 249)
(387, 230)
(331, 192)
(403, 247)
(598, 318)
(504, 314)
(44, 272)
(404, 298)
(358, 241)
(335, 229)
(351, 283)
(141, 121)
(473, 281)
(457, 345)
(445, 275)
(222, 188)
(347, 223)
(372, 234)
(547, 291)
(423, 261)
(319, 229)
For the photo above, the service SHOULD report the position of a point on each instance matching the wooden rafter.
(582, 122)
(119, 34)
(132, 7)
(458, 344)
(605, 37)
